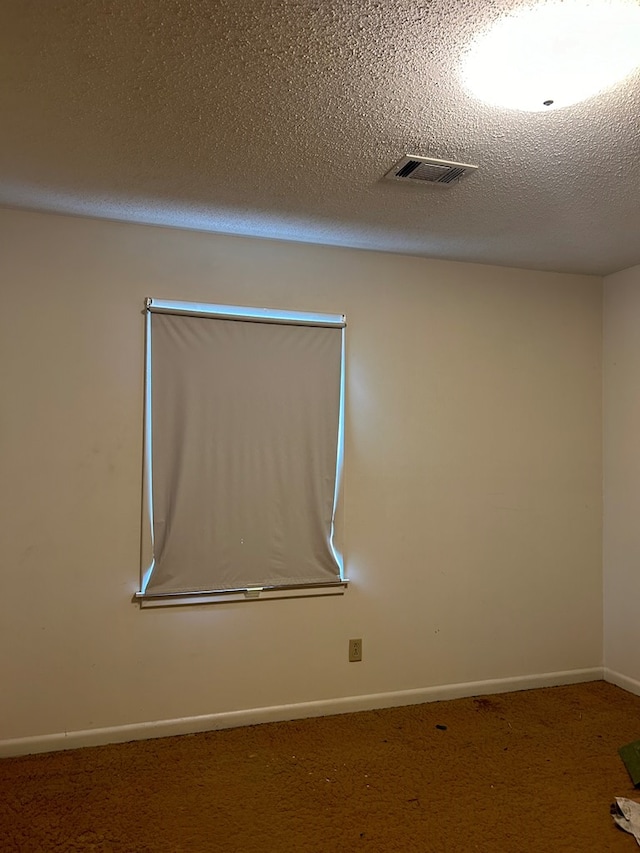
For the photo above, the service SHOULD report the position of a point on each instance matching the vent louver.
(427, 170)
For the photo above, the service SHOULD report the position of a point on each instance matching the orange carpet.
(514, 773)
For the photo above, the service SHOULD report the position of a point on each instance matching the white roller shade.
(245, 446)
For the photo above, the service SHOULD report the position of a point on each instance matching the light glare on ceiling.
(554, 54)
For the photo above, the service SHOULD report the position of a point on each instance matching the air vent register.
(427, 170)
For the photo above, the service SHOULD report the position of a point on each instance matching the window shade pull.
(253, 592)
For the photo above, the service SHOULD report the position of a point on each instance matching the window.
(243, 453)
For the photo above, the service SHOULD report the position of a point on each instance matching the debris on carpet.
(626, 814)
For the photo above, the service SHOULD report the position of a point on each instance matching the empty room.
(320, 407)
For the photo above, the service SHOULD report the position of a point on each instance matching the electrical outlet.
(355, 650)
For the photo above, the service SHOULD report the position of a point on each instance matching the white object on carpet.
(627, 816)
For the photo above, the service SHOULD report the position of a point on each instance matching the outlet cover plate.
(355, 651)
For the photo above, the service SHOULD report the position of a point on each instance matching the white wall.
(473, 478)
(622, 476)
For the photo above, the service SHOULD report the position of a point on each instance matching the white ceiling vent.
(427, 170)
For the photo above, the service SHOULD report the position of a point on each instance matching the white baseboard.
(621, 680)
(278, 713)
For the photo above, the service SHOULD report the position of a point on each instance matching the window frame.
(152, 599)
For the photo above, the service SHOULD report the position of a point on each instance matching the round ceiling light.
(554, 54)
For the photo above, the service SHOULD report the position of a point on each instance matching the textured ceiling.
(279, 118)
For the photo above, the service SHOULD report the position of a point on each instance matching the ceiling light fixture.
(554, 54)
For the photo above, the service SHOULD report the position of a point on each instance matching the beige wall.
(622, 475)
(473, 478)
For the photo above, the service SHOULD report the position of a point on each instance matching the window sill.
(179, 599)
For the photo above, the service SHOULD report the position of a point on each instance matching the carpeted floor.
(513, 773)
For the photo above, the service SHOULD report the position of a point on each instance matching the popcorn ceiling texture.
(279, 118)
